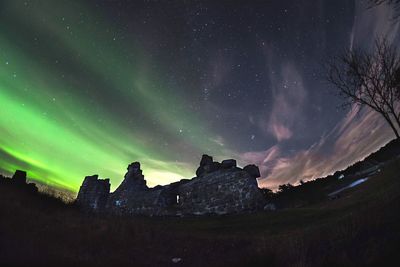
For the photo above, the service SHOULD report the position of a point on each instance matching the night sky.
(89, 86)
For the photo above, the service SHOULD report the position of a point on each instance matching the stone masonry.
(93, 194)
(218, 188)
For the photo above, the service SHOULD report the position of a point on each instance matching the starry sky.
(89, 86)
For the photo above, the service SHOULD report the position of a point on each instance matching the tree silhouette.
(267, 193)
(370, 79)
(284, 188)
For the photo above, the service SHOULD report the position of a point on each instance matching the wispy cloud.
(358, 134)
(372, 23)
(288, 96)
(353, 138)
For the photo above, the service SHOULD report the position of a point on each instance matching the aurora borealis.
(90, 86)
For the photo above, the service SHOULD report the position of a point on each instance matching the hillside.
(332, 186)
(362, 227)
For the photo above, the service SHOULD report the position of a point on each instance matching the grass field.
(361, 228)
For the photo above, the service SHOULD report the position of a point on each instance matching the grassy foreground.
(362, 228)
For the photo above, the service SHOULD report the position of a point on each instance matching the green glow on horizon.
(52, 127)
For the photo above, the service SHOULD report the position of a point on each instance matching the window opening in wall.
(177, 199)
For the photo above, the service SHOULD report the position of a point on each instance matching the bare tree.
(370, 79)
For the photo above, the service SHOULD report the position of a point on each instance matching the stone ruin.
(94, 193)
(19, 180)
(218, 188)
(19, 177)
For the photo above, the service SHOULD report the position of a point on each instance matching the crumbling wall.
(19, 177)
(134, 197)
(19, 180)
(225, 189)
(219, 188)
(146, 202)
(93, 194)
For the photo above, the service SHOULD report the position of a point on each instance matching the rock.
(252, 170)
(228, 164)
(19, 177)
(176, 260)
(333, 197)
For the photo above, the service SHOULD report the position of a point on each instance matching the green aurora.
(87, 87)
(53, 62)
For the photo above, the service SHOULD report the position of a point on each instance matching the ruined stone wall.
(219, 188)
(161, 200)
(134, 197)
(19, 177)
(93, 194)
(221, 192)
(146, 202)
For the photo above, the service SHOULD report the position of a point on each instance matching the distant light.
(358, 182)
